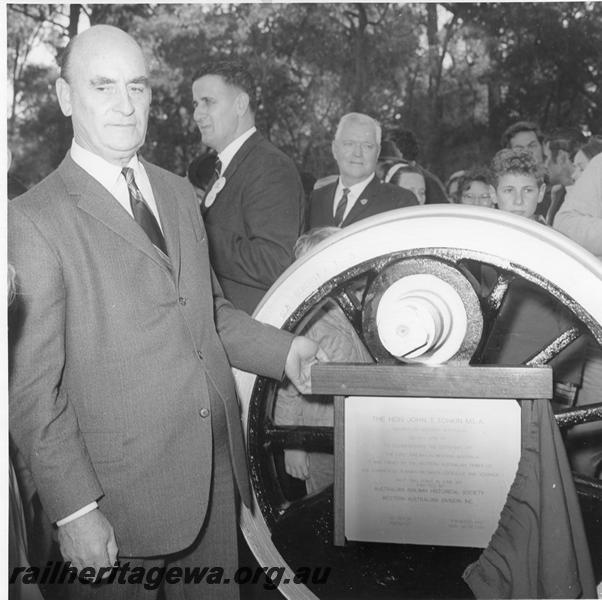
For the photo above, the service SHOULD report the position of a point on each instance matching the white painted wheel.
(451, 232)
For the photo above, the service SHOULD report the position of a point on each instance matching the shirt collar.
(356, 189)
(106, 173)
(227, 154)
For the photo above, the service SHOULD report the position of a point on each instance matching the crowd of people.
(134, 290)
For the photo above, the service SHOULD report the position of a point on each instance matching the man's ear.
(63, 92)
(542, 191)
(242, 103)
(493, 195)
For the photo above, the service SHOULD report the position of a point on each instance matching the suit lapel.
(362, 204)
(329, 205)
(236, 161)
(95, 200)
(240, 156)
(325, 203)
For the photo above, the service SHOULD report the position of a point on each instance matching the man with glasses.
(357, 193)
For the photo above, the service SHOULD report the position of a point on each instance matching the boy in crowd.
(519, 183)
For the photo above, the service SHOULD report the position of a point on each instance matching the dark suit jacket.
(376, 198)
(114, 353)
(255, 221)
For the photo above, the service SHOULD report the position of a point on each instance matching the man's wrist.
(78, 513)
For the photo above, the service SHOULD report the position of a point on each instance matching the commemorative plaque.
(428, 470)
(414, 465)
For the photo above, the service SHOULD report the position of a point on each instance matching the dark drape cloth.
(539, 549)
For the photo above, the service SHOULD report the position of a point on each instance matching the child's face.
(478, 194)
(519, 194)
(415, 183)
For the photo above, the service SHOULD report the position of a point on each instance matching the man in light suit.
(357, 193)
(121, 395)
(254, 211)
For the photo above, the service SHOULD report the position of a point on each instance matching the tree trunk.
(359, 87)
(65, 131)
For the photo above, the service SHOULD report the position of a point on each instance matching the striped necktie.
(341, 206)
(142, 213)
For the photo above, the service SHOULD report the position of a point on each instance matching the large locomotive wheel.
(297, 532)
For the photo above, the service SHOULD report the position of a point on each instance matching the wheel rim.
(453, 233)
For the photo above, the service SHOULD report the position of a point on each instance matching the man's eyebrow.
(101, 81)
(142, 79)
(107, 80)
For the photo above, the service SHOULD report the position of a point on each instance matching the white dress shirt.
(227, 154)
(110, 177)
(355, 191)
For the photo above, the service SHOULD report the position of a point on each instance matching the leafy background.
(456, 74)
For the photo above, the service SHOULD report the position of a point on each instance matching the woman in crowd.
(475, 187)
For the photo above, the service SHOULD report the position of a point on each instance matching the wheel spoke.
(351, 307)
(297, 436)
(577, 416)
(495, 299)
(554, 348)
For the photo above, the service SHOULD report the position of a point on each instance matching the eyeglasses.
(481, 199)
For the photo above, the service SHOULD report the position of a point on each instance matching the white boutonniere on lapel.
(363, 201)
(216, 188)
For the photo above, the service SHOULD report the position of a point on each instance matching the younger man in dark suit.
(254, 211)
(357, 193)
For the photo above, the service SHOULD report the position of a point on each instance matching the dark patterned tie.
(217, 169)
(341, 206)
(142, 213)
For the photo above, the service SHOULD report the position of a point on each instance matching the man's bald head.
(104, 88)
(91, 40)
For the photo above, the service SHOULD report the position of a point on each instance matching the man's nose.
(357, 149)
(198, 112)
(123, 101)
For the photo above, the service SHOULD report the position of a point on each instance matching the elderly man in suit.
(254, 211)
(121, 395)
(357, 193)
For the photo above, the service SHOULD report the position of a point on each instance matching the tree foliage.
(456, 74)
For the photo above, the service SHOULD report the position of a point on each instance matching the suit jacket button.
(204, 412)
(182, 300)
